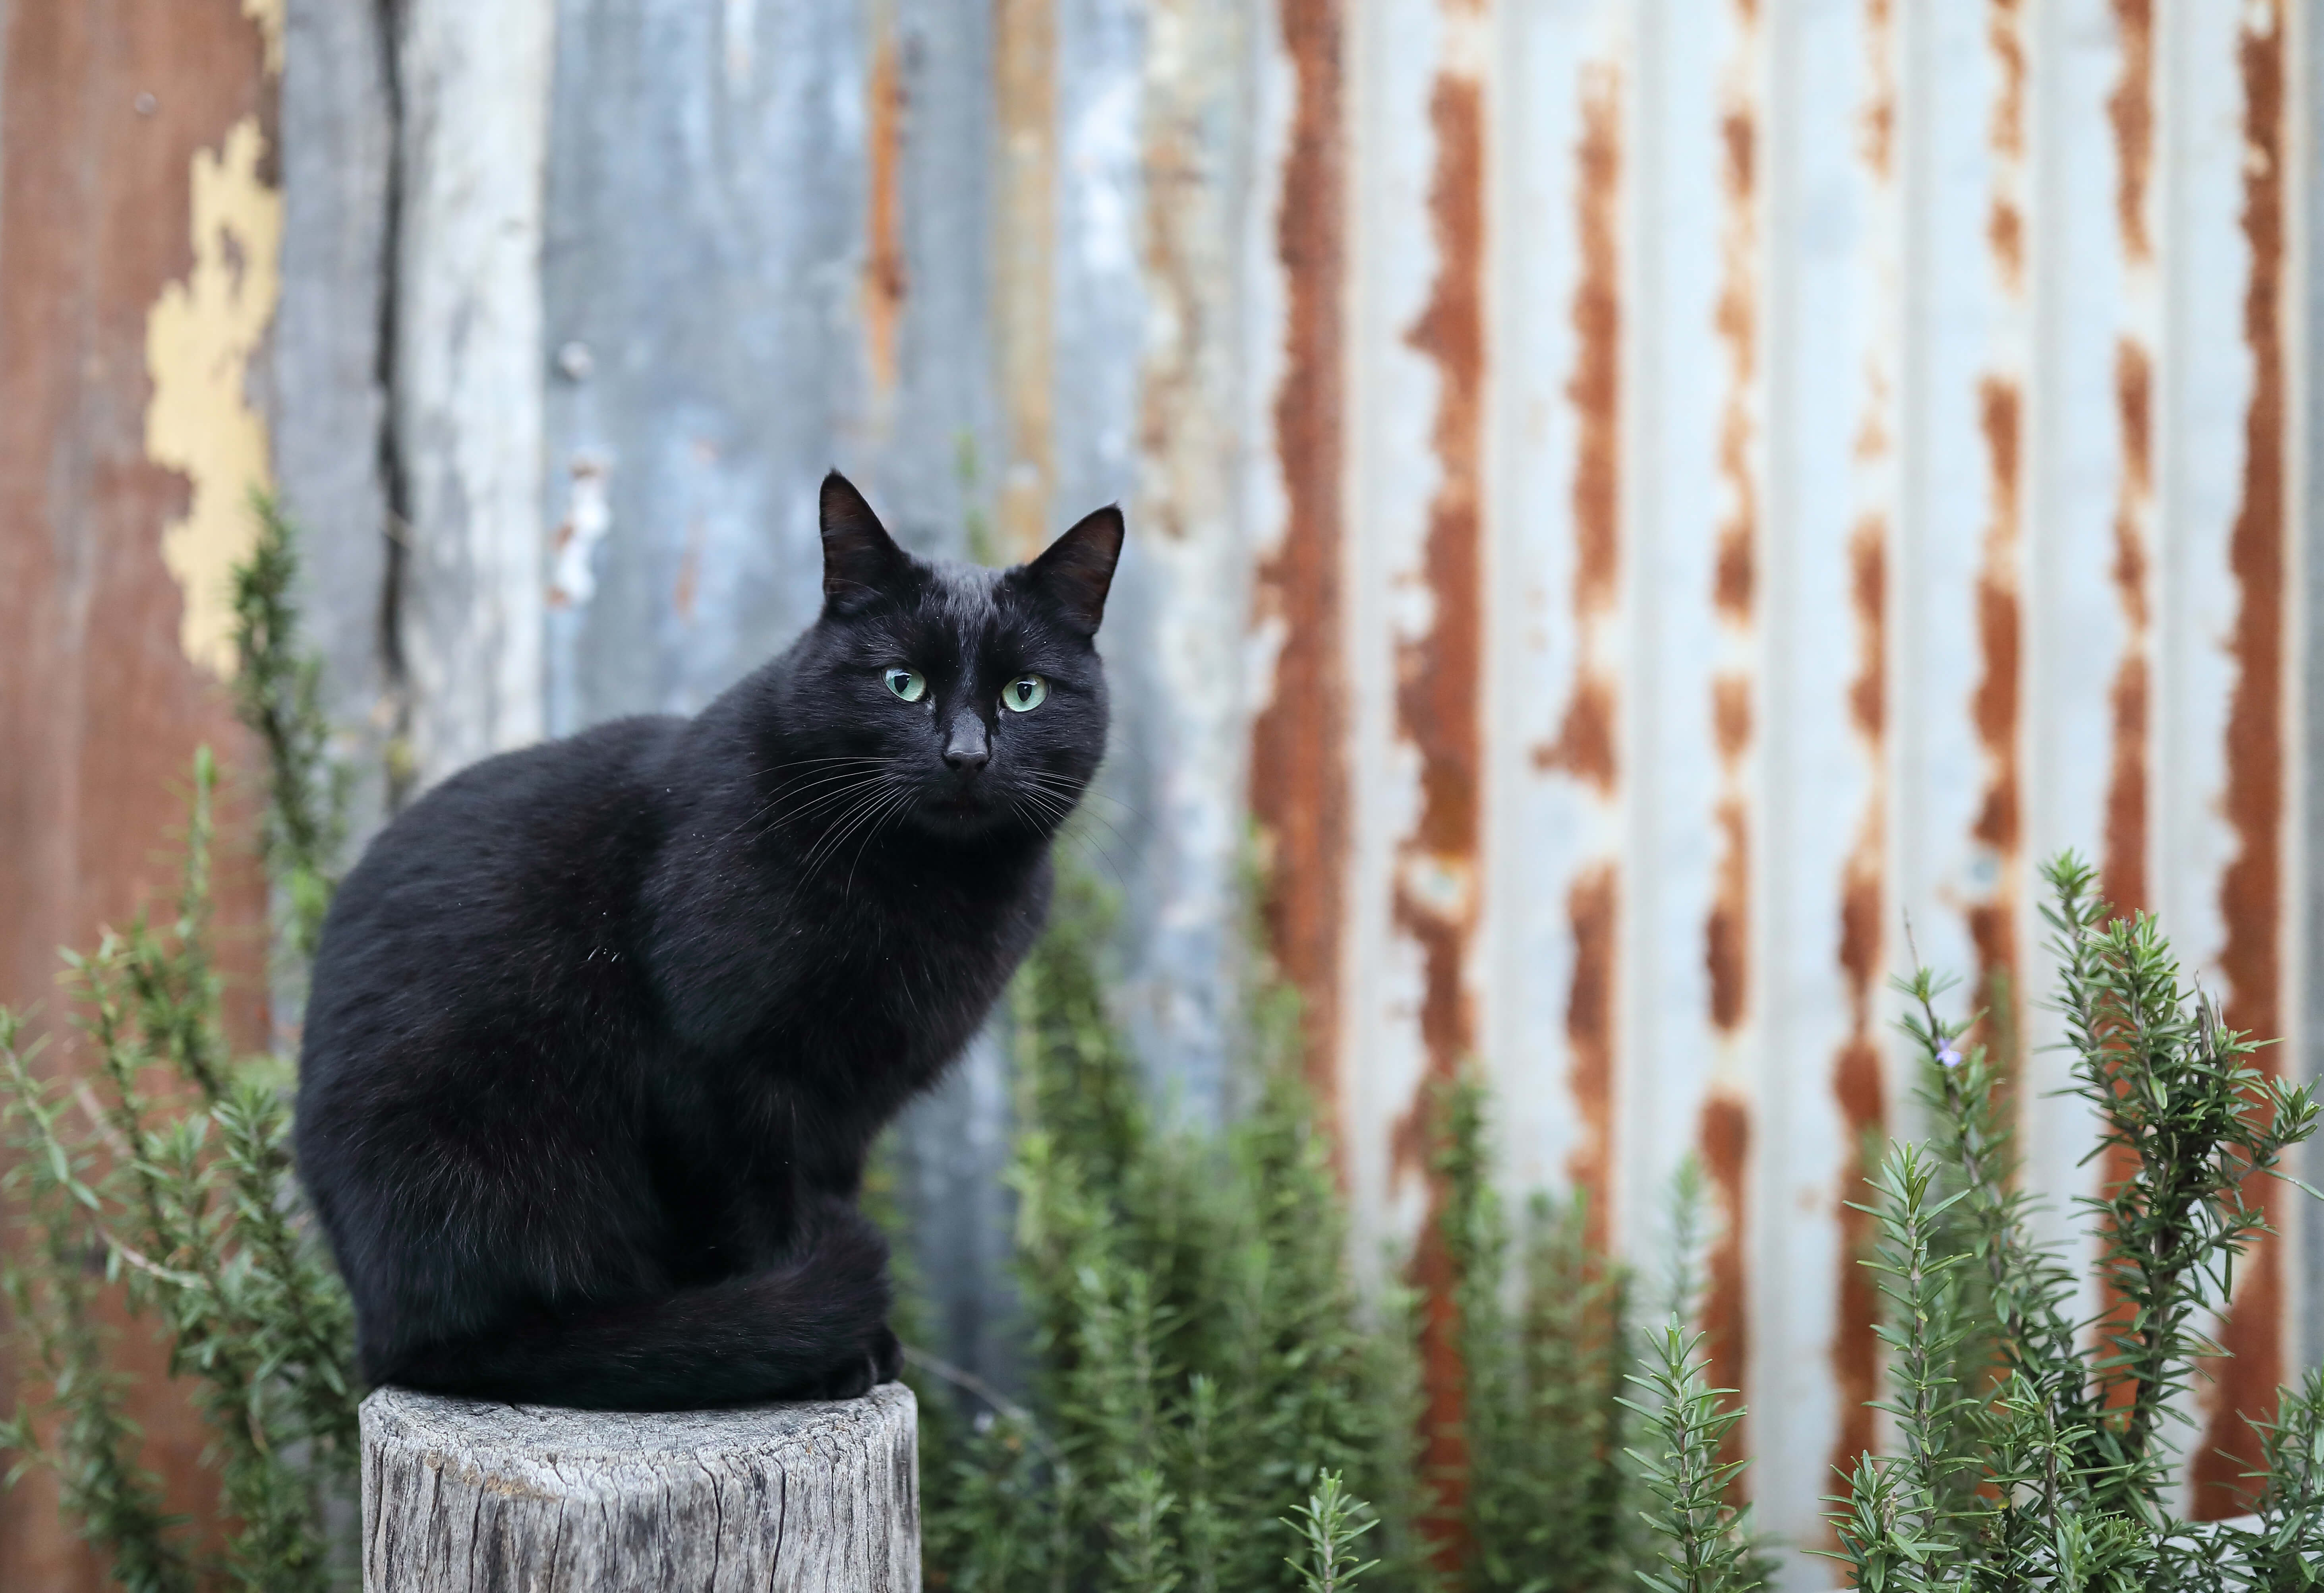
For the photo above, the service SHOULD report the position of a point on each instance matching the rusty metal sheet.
(1632, 499)
(1299, 782)
(139, 240)
(1807, 463)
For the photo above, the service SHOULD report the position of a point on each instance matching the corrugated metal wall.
(1635, 498)
(1632, 497)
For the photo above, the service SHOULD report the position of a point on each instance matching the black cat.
(601, 1029)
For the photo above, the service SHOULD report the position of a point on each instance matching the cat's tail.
(814, 1328)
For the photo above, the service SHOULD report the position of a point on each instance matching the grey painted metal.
(329, 375)
(472, 131)
(701, 270)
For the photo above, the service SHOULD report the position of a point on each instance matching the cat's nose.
(967, 749)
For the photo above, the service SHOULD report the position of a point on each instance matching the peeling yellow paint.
(268, 15)
(201, 335)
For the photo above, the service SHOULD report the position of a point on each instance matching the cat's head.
(945, 698)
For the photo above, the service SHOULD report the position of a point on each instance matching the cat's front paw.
(849, 1380)
(883, 1361)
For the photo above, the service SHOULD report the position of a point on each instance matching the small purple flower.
(1948, 1055)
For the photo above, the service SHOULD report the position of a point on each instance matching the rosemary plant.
(1906, 1524)
(90, 1442)
(2036, 1449)
(1543, 1490)
(1203, 1363)
(278, 690)
(1704, 1541)
(1328, 1526)
(1200, 1353)
(167, 1167)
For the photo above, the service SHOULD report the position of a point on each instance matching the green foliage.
(2285, 1550)
(2181, 1103)
(1702, 1541)
(1328, 1526)
(2032, 1451)
(1200, 1353)
(164, 1178)
(52, 1290)
(279, 693)
(1900, 1531)
(1544, 1505)
(1203, 1368)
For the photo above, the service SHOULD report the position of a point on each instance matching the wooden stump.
(462, 1497)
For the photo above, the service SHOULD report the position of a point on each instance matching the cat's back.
(493, 885)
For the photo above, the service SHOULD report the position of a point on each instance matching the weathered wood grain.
(464, 1496)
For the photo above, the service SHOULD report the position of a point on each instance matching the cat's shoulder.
(595, 794)
(618, 754)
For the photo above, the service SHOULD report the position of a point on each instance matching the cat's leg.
(814, 1329)
(514, 1256)
(882, 1360)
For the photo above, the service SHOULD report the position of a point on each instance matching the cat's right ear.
(859, 558)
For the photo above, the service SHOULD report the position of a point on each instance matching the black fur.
(600, 1030)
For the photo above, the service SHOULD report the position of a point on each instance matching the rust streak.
(1856, 1342)
(2004, 229)
(1857, 1085)
(1867, 696)
(2122, 874)
(1726, 928)
(2131, 109)
(1439, 674)
(1856, 1072)
(1725, 953)
(1879, 126)
(1730, 717)
(2251, 890)
(1444, 1447)
(2008, 130)
(1723, 1139)
(1595, 388)
(1995, 709)
(2004, 223)
(1736, 321)
(883, 263)
(1438, 679)
(1591, 908)
(2122, 865)
(1586, 744)
(1025, 50)
(1298, 758)
(1178, 425)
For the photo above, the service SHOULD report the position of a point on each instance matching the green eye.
(1024, 694)
(909, 684)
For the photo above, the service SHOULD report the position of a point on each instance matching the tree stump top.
(462, 1496)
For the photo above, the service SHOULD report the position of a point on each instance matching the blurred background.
(1631, 503)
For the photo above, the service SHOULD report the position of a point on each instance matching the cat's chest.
(886, 980)
(916, 962)
(905, 979)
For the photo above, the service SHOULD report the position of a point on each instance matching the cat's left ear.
(859, 557)
(1076, 571)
